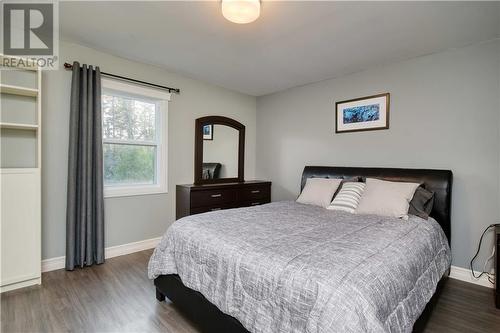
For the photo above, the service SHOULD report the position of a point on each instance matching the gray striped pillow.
(348, 197)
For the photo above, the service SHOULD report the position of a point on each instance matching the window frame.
(161, 131)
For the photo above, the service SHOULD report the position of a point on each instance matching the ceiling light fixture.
(241, 11)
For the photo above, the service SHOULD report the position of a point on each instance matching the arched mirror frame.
(198, 149)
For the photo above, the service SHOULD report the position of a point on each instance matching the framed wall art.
(362, 114)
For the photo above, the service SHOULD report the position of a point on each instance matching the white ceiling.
(291, 44)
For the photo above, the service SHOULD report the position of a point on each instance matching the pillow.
(422, 203)
(353, 179)
(319, 191)
(347, 199)
(386, 198)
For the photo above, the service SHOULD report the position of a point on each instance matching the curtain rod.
(68, 66)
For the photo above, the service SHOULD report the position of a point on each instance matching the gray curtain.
(85, 205)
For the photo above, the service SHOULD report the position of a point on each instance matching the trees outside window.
(134, 126)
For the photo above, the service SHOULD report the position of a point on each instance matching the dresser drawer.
(256, 202)
(213, 197)
(254, 193)
(199, 210)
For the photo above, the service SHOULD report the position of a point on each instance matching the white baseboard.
(53, 263)
(113, 251)
(120, 250)
(465, 275)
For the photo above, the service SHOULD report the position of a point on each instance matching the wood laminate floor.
(118, 297)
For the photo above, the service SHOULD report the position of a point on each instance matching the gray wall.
(130, 219)
(445, 112)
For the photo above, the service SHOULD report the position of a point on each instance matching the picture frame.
(208, 132)
(362, 114)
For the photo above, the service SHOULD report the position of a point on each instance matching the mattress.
(289, 267)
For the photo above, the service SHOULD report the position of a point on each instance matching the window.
(134, 133)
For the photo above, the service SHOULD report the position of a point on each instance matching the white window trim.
(162, 153)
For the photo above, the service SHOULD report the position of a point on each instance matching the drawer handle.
(255, 203)
(216, 195)
(214, 209)
(256, 191)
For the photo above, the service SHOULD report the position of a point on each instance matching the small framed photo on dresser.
(362, 114)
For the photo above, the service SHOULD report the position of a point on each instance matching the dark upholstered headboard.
(437, 181)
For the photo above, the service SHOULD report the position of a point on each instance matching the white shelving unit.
(16, 90)
(20, 178)
(19, 126)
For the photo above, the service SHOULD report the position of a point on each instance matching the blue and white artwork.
(360, 114)
(208, 132)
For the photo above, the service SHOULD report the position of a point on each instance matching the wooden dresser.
(194, 199)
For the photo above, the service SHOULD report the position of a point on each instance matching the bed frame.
(209, 318)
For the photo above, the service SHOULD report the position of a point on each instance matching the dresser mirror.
(219, 150)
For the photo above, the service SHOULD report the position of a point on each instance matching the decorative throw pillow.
(353, 179)
(386, 198)
(319, 191)
(422, 203)
(347, 199)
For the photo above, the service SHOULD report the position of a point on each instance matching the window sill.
(117, 192)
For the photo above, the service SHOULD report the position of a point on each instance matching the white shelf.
(16, 90)
(27, 127)
(18, 170)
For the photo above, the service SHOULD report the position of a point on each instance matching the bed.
(288, 267)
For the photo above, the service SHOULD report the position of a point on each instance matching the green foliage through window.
(129, 120)
(129, 164)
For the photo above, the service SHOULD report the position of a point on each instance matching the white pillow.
(386, 198)
(319, 191)
(348, 197)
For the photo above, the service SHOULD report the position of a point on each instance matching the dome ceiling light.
(241, 11)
